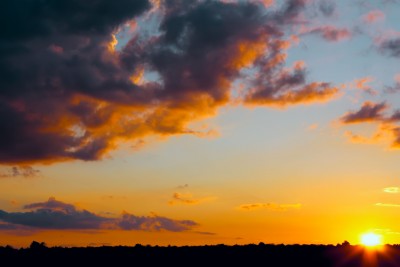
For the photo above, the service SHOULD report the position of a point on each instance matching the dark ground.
(343, 255)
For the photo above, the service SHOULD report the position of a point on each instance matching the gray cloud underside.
(54, 214)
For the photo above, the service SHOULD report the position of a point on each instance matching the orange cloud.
(269, 206)
(362, 84)
(186, 198)
(387, 125)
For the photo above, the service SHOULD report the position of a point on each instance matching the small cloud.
(313, 127)
(362, 84)
(112, 197)
(21, 171)
(186, 198)
(205, 233)
(394, 88)
(373, 16)
(359, 139)
(387, 205)
(182, 186)
(138, 145)
(369, 112)
(386, 231)
(329, 33)
(269, 206)
(327, 7)
(154, 223)
(392, 190)
(391, 47)
(56, 49)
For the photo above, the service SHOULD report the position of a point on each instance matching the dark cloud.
(20, 171)
(367, 113)
(392, 89)
(26, 19)
(54, 214)
(396, 141)
(66, 93)
(287, 88)
(7, 226)
(395, 116)
(154, 223)
(391, 47)
(327, 7)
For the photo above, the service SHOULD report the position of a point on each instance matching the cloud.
(328, 32)
(269, 206)
(184, 186)
(54, 214)
(68, 92)
(359, 139)
(205, 233)
(313, 127)
(395, 117)
(21, 171)
(395, 88)
(362, 84)
(390, 47)
(390, 205)
(369, 112)
(392, 190)
(186, 198)
(183, 199)
(373, 16)
(288, 87)
(327, 7)
(154, 223)
(387, 129)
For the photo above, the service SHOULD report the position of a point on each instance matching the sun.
(371, 240)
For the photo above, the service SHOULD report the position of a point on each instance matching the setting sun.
(371, 239)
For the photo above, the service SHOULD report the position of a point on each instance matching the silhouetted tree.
(36, 245)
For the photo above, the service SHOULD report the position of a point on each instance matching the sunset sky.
(199, 122)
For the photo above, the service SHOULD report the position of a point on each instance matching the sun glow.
(371, 240)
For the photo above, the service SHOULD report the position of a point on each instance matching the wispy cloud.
(187, 198)
(20, 171)
(363, 84)
(392, 190)
(391, 205)
(184, 186)
(328, 32)
(269, 206)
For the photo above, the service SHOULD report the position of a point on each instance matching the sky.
(173, 122)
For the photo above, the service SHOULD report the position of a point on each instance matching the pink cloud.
(373, 16)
